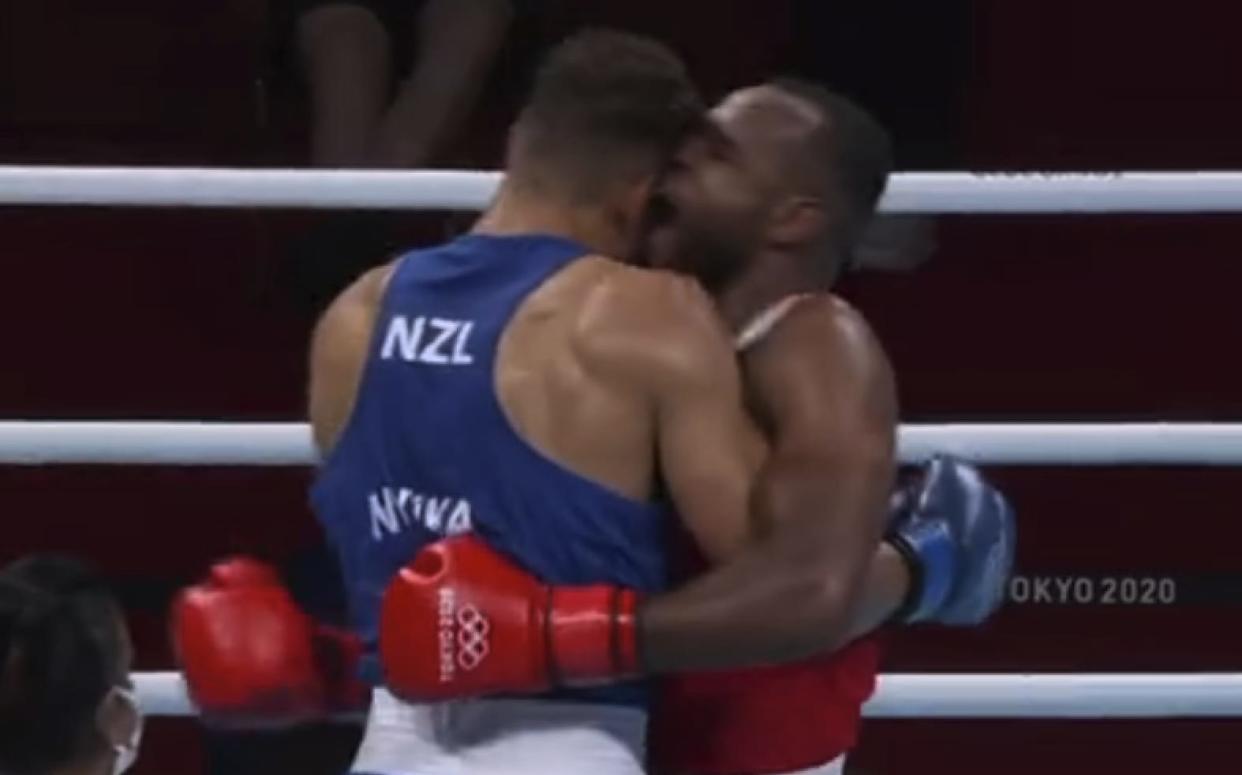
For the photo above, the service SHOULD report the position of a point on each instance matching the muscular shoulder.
(353, 312)
(822, 360)
(822, 318)
(338, 353)
(652, 324)
(822, 326)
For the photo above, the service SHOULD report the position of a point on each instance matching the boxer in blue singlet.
(524, 387)
(519, 384)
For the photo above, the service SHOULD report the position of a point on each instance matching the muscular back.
(562, 382)
(615, 373)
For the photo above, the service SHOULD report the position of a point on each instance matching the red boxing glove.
(496, 629)
(251, 657)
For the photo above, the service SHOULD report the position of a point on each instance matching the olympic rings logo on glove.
(472, 631)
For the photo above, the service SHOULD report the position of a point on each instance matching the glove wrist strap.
(931, 550)
(592, 634)
(911, 603)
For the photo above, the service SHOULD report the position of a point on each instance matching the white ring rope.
(203, 187)
(911, 192)
(983, 695)
(289, 444)
(898, 695)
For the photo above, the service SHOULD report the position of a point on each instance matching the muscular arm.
(819, 575)
(661, 334)
(338, 353)
(708, 445)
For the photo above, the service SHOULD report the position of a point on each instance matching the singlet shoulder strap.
(762, 323)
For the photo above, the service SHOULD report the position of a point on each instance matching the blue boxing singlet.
(429, 452)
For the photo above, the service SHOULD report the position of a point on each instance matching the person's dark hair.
(606, 106)
(59, 656)
(855, 152)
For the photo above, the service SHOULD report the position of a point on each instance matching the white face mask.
(127, 752)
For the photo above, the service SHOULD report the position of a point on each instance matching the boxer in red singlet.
(766, 211)
(785, 185)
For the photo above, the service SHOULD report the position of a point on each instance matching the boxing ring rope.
(898, 695)
(289, 444)
(1080, 695)
(911, 192)
(949, 695)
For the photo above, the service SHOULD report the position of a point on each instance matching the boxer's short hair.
(59, 654)
(605, 105)
(855, 152)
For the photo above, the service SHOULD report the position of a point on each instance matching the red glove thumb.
(241, 572)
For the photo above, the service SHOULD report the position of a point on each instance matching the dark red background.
(149, 314)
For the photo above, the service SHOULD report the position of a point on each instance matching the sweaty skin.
(621, 375)
(823, 389)
(823, 386)
(747, 220)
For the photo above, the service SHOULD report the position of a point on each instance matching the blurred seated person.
(67, 703)
(391, 84)
(912, 64)
(391, 81)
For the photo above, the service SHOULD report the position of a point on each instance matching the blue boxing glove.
(957, 533)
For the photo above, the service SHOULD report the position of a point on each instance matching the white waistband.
(514, 736)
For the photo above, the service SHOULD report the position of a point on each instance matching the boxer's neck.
(513, 214)
(769, 278)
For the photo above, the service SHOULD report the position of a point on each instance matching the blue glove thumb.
(958, 534)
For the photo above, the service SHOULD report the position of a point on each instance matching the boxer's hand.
(958, 533)
(251, 657)
(461, 620)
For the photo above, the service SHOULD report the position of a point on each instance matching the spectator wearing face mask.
(67, 702)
